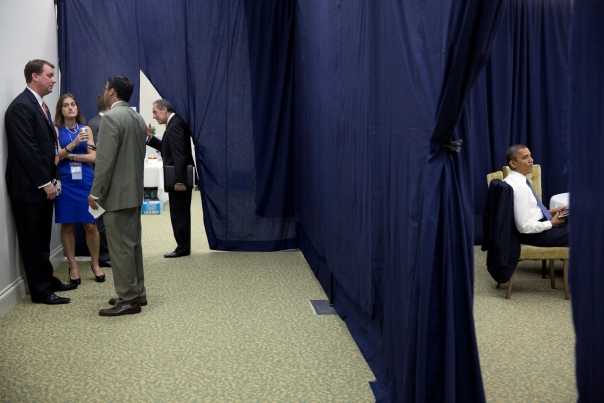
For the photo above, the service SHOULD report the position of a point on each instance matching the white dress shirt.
(526, 210)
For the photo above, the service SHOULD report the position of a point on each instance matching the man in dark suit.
(30, 170)
(94, 124)
(118, 187)
(175, 147)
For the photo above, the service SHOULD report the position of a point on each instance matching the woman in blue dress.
(76, 153)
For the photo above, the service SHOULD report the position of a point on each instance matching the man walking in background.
(118, 187)
(94, 124)
(30, 170)
(175, 147)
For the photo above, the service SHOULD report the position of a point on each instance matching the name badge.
(76, 170)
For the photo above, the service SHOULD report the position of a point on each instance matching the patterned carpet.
(219, 327)
(237, 327)
(526, 343)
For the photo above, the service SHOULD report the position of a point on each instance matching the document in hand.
(96, 213)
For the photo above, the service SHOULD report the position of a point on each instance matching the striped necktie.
(45, 110)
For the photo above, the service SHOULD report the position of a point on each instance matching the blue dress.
(71, 205)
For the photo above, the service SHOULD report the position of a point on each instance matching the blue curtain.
(441, 342)
(522, 96)
(325, 123)
(373, 89)
(97, 40)
(197, 55)
(587, 193)
(270, 27)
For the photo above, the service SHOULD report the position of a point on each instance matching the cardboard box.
(153, 207)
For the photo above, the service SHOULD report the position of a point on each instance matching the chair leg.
(566, 290)
(498, 285)
(543, 269)
(551, 273)
(510, 284)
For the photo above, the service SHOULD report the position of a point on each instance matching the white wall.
(28, 30)
(148, 95)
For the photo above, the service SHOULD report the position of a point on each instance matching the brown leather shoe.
(133, 307)
(112, 301)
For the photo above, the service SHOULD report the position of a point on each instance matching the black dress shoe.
(112, 301)
(65, 287)
(131, 308)
(52, 299)
(105, 263)
(176, 254)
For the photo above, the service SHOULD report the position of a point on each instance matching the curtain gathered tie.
(455, 145)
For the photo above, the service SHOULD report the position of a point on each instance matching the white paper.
(96, 213)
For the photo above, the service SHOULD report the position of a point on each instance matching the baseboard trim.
(11, 295)
(15, 292)
(57, 257)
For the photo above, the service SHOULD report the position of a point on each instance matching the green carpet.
(219, 327)
(526, 343)
(238, 327)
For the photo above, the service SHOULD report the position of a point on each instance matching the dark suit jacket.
(94, 125)
(501, 238)
(31, 149)
(175, 147)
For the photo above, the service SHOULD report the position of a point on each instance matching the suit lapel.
(34, 101)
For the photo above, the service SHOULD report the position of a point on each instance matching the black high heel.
(99, 279)
(76, 281)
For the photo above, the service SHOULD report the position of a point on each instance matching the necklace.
(74, 132)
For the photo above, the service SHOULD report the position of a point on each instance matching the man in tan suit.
(118, 188)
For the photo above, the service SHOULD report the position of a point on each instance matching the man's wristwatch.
(71, 157)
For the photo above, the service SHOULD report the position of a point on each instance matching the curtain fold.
(586, 194)
(271, 37)
(97, 40)
(199, 58)
(441, 343)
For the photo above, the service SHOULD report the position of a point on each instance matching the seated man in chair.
(537, 225)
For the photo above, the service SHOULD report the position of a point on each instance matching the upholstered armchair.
(529, 252)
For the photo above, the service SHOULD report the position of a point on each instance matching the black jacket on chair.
(501, 238)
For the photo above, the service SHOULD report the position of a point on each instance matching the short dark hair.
(60, 119)
(512, 152)
(122, 86)
(100, 103)
(35, 66)
(163, 104)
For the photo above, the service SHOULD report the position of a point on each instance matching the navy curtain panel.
(197, 55)
(521, 96)
(270, 27)
(376, 83)
(587, 193)
(97, 40)
(441, 342)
